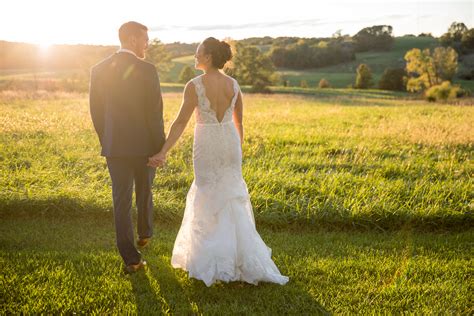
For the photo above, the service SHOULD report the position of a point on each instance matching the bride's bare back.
(219, 90)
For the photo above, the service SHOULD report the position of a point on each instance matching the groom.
(127, 111)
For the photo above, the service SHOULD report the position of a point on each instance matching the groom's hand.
(157, 160)
(155, 163)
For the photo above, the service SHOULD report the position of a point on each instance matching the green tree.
(323, 83)
(252, 67)
(187, 73)
(426, 69)
(457, 29)
(467, 40)
(312, 53)
(158, 55)
(377, 37)
(364, 77)
(446, 63)
(453, 37)
(443, 92)
(425, 35)
(393, 79)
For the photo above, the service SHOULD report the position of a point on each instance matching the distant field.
(343, 75)
(178, 65)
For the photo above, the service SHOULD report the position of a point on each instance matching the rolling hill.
(343, 75)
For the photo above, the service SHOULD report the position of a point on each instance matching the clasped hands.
(157, 160)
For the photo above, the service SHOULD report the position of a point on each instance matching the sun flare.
(44, 46)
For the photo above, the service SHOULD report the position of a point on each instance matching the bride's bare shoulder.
(190, 88)
(193, 82)
(229, 77)
(231, 80)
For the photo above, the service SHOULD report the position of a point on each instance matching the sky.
(47, 22)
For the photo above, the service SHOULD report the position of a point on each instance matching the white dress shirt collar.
(124, 50)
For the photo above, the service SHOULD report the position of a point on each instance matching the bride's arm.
(238, 117)
(179, 124)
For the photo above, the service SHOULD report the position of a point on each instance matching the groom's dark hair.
(130, 29)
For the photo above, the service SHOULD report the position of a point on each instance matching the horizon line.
(182, 42)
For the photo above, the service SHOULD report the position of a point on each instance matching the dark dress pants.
(124, 172)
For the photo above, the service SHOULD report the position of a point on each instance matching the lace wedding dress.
(217, 239)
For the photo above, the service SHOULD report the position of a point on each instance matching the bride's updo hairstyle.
(219, 50)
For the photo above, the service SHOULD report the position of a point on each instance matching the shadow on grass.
(65, 207)
(148, 295)
(70, 265)
(162, 288)
(51, 207)
(328, 218)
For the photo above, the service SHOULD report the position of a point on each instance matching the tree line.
(64, 57)
(291, 52)
(304, 54)
(428, 71)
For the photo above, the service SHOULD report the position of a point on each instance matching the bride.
(217, 239)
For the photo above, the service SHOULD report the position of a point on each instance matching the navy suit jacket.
(126, 106)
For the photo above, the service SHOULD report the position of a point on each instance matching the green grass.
(67, 265)
(465, 84)
(340, 157)
(365, 197)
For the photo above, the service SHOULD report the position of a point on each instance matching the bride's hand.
(157, 160)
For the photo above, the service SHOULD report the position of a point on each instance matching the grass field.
(69, 264)
(365, 197)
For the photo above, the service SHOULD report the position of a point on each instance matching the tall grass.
(342, 161)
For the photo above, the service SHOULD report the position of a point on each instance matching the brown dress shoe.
(132, 268)
(142, 242)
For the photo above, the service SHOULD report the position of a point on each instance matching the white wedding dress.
(217, 239)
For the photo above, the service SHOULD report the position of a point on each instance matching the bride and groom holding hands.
(217, 239)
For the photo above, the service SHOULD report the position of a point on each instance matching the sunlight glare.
(44, 46)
